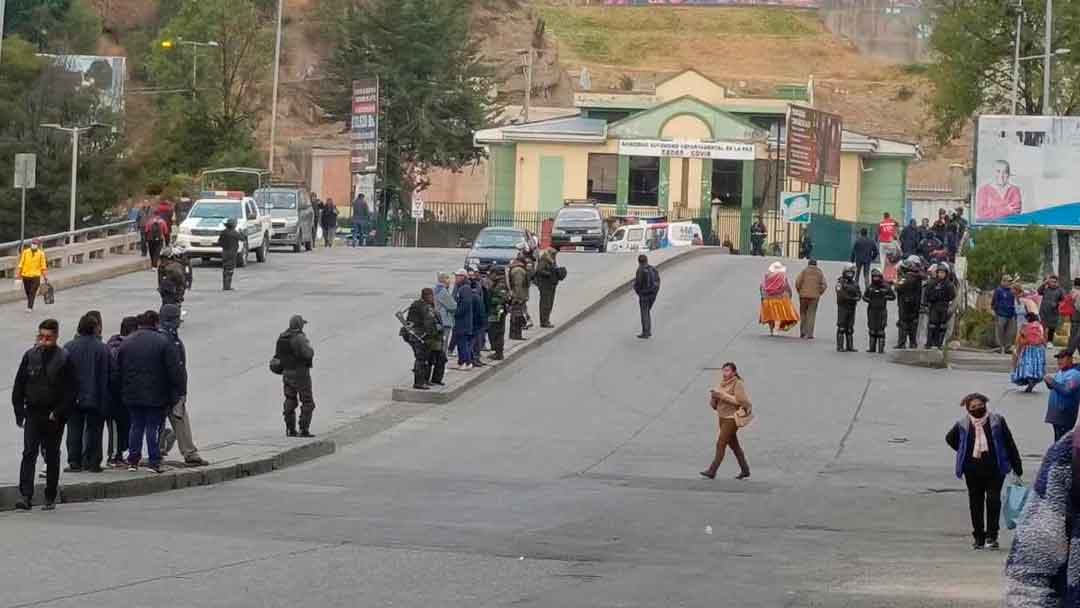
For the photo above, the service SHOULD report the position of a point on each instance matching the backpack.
(155, 230)
(652, 281)
(1067, 307)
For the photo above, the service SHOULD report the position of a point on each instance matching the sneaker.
(23, 505)
(977, 546)
(306, 433)
(133, 468)
(155, 468)
(643, 336)
(421, 387)
(993, 545)
(49, 506)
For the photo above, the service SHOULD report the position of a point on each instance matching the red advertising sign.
(813, 146)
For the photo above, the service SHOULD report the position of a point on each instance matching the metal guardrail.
(75, 247)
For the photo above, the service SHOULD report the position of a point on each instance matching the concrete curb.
(411, 395)
(99, 274)
(933, 358)
(174, 479)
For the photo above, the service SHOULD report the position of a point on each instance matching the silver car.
(292, 216)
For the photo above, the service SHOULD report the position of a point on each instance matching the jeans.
(40, 435)
(328, 235)
(84, 440)
(984, 491)
(119, 430)
(359, 235)
(1004, 331)
(464, 347)
(646, 304)
(145, 422)
(864, 271)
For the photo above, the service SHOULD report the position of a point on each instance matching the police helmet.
(167, 252)
(849, 271)
(875, 273)
(943, 266)
(230, 223)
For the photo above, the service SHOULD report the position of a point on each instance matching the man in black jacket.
(86, 423)
(646, 286)
(177, 412)
(151, 378)
(426, 340)
(863, 255)
(45, 390)
(229, 241)
(296, 355)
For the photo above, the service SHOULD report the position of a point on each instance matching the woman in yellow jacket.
(32, 269)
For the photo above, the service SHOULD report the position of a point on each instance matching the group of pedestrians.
(130, 384)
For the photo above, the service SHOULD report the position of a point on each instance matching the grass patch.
(628, 35)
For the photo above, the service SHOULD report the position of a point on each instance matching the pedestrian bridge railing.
(79, 247)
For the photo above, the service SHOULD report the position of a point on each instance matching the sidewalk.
(80, 274)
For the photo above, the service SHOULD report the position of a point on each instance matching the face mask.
(978, 413)
(33, 247)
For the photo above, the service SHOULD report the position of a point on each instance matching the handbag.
(1016, 496)
(743, 418)
(48, 293)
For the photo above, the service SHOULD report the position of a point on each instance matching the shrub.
(976, 327)
(994, 252)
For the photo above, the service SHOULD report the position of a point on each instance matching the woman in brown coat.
(733, 408)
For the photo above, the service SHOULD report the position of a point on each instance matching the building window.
(603, 177)
(727, 182)
(644, 180)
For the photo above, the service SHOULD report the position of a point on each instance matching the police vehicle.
(199, 232)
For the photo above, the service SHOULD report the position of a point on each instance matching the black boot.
(913, 342)
(290, 424)
(881, 344)
(849, 337)
(873, 345)
(839, 340)
(901, 339)
(420, 376)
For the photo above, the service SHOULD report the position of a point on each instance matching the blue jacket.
(148, 370)
(962, 437)
(463, 316)
(479, 308)
(445, 305)
(1061, 407)
(92, 366)
(1043, 570)
(1004, 303)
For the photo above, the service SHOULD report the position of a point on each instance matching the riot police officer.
(229, 241)
(939, 296)
(877, 294)
(171, 279)
(848, 295)
(295, 356)
(909, 287)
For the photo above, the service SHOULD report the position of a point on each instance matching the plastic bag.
(1015, 498)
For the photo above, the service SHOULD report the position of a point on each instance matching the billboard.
(1025, 170)
(103, 75)
(787, 3)
(796, 207)
(813, 146)
(364, 126)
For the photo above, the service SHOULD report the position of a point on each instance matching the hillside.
(750, 49)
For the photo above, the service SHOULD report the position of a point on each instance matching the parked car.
(291, 214)
(579, 227)
(198, 234)
(495, 247)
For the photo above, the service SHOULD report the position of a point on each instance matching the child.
(1029, 356)
(985, 454)
(878, 293)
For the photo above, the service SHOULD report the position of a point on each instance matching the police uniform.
(229, 241)
(294, 352)
(847, 298)
(877, 294)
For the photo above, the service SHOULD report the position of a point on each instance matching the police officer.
(939, 295)
(498, 301)
(877, 294)
(426, 340)
(847, 298)
(519, 297)
(294, 352)
(171, 280)
(229, 241)
(909, 287)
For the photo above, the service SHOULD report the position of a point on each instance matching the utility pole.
(2, 4)
(274, 101)
(527, 58)
(1016, 59)
(1048, 57)
(75, 132)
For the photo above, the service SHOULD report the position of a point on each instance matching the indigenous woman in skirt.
(1029, 356)
(776, 307)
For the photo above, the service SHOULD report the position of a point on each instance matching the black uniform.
(847, 298)
(229, 241)
(44, 392)
(939, 295)
(296, 355)
(171, 282)
(877, 294)
(758, 234)
(909, 288)
(547, 279)
(498, 302)
(428, 364)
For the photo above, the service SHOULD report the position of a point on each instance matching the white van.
(627, 239)
(657, 235)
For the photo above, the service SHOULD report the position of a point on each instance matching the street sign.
(25, 170)
(418, 209)
(796, 207)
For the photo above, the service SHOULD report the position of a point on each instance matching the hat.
(777, 267)
(461, 272)
(297, 322)
(170, 313)
(1061, 354)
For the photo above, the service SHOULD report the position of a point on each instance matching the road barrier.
(78, 247)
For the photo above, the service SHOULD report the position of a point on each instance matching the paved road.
(570, 479)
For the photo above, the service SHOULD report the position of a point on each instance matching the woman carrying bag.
(33, 268)
(985, 454)
(733, 409)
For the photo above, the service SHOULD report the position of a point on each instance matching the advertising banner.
(813, 146)
(723, 150)
(364, 128)
(103, 75)
(796, 207)
(1026, 170)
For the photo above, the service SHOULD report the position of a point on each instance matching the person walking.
(328, 217)
(1052, 296)
(888, 232)
(939, 296)
(177, 413)
(777, 310)
(361, 218)
(810, 285)
(33, 268)
(519, 297)
(294, 351)
(985, 454)
(157, 234)
(1029, 358)
(316, 211)
(117, 419)
(229, 241)
(463, 320)
(445, 305)
(45, 389)
(647, 287)
(497, 304)
(548, 276)
(733, 409)
(758, 234)
(426, 340)
(143, 218)
(1004, 304)
(1064, 400)
(877, 296)
(848, 296)
(151, 378)
(863, 254)
(87, 418)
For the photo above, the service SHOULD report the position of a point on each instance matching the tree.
(973, 42)
(55, 26)
(996, 252)
(434, 83)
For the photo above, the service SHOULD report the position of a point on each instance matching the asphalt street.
(569, 479)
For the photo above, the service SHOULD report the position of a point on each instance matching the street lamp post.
(75, 132)
(1048, 55)
(168, 44)
(274, 101)
(1016, 75)
(2, 4)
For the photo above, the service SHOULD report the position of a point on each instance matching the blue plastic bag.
(1015, 498)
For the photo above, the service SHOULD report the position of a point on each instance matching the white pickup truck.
(198, 234)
